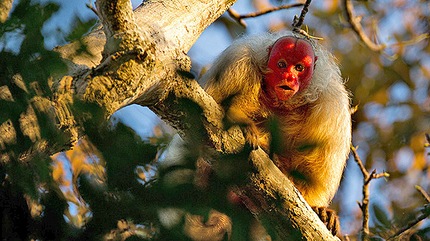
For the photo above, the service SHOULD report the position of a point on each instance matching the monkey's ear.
(269, 49)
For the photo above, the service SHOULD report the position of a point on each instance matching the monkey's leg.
(329, 218)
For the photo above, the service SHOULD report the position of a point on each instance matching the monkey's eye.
(282, 64)
(299, 67)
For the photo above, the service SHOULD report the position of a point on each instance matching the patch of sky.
(399, 92)
(141, 119)
(404, 158)
(350, 192)
(371, 70)
(209, 45)
(366, 130)
(373, 110)
(61, 21)
(397, 113)
(11, 41)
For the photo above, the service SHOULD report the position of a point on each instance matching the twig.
(298, 21)
(425, 213)
(92, 8)
(256, 14)
(236, 16)
(346, 238)
(367, 177)
(358, 29)
(423, 192)
(239, 18)
(354, 21)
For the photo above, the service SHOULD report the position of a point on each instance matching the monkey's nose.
(290, 77)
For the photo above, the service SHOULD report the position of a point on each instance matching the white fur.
(316, 129)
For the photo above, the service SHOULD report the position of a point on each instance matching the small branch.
(367, 177)
(239, 18)
(358, 160)
(413, 41)
(423, 192)
(425, 213)
(358, 29)
(354, 21)
(298, 21)
(92, 8)
(236, 16)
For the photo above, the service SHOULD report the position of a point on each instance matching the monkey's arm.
(234, 82)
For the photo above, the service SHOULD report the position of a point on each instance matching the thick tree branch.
(5, 7)
(280, 204)
(168, 29)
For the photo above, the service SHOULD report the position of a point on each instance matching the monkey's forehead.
(291, 42)
(290, 46)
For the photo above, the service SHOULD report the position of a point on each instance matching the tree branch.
(354, 21)
(367, 177)
(298, 21)
(5, 7)
(423, 192)
(358, 29)
(425, 213)
(239, 18)
(269, 186)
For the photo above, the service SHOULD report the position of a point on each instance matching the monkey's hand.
(251, 135)
(329, 218)
(237, 116)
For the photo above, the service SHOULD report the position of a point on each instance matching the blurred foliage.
(109, 186)
(24, 75)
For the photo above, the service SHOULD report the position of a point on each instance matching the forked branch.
(358, 29)
(367, 177)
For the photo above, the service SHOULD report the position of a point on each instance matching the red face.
(290, 68)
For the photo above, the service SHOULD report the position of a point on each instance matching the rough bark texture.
(144, 61)
(280, 203)
(5, 7)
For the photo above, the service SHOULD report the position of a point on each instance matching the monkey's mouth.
(285, 87)
(285, 92)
